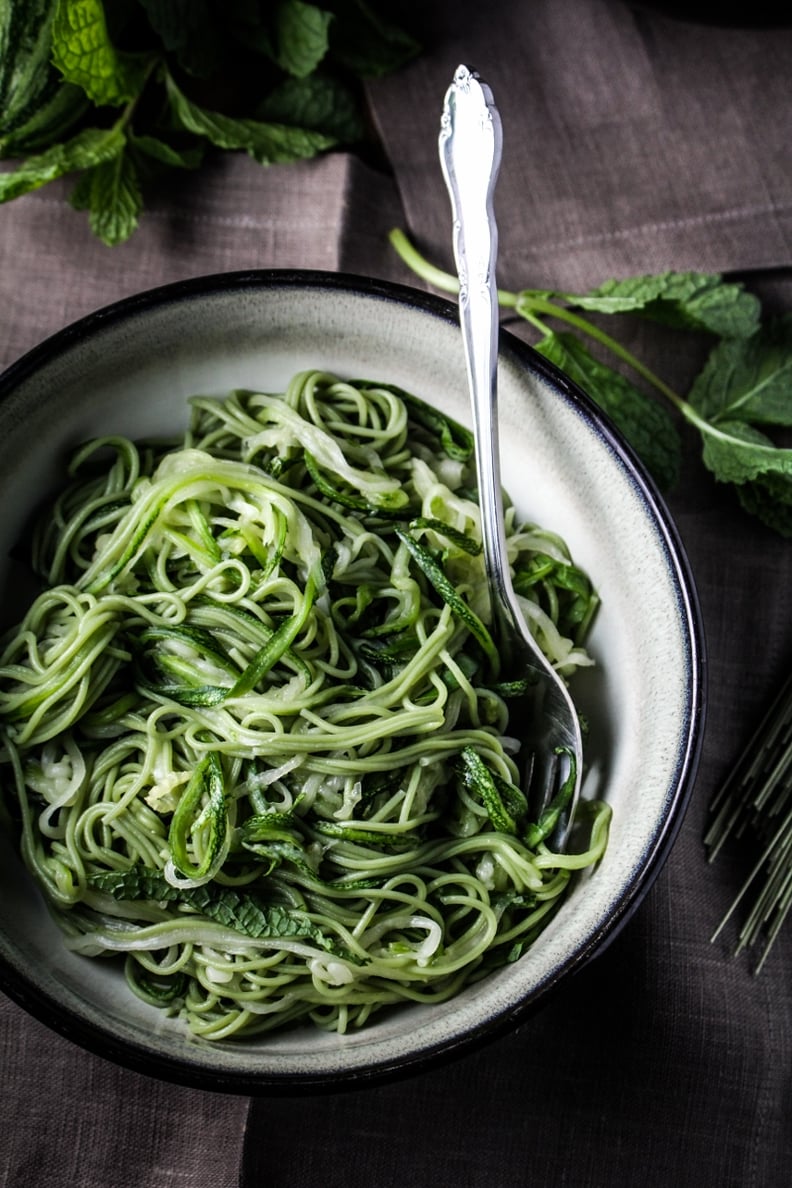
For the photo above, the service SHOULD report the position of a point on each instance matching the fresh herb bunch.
(743, 391)
(117, 92)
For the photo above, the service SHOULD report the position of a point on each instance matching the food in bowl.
(129, 371)
(254, 720)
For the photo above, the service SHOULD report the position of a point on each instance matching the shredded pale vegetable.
(252, 730)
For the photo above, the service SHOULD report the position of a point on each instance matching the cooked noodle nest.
(253, 733)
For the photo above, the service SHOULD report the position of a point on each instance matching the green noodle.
(252, 730)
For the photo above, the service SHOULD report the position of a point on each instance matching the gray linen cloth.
(633, 143)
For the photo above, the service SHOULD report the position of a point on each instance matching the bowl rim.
(94, 1038)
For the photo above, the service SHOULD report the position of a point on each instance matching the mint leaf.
(278, 72)
(744, 386)
(267, 143)
(250, 27)
(300, 36)
(245, 912)
(646, 425)
(36, 107)
(25, 70)
(188, 30)
(682, 300)
(90, 147)
(110, 192)
(320, 102)
(769, 499)
(737, 453)
(160, 150)
(367, 43)
(750, 380)
(84, 54)
(52, 119)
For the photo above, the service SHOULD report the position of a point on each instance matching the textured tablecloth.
(633, 143)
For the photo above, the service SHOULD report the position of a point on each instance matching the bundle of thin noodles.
(252, 728)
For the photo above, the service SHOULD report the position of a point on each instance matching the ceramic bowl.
(129, 369)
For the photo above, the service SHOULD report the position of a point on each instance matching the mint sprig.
(742, 394)
(117, 94)
(267, 143)
(244, 911)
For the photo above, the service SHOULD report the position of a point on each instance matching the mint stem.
(431, 273)
(531, 303)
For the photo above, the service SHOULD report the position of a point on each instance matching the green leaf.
(266, 143)
(300, 36)
(743, 387)
(25, 71)
(320, 102)
(737, 453)
(187, 29)
(90, 147)
(110, 192)
(246, 913)
(160, 150)
(36, 106)
(366, 42)
(646, 425)
(769, 498)
(748, 380)
(84, 54)
(683, 300)
(249, 26)
(48, 123)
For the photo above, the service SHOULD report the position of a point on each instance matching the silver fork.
(551, 748)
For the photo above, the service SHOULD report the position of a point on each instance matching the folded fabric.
(633, 143)
(328, 213)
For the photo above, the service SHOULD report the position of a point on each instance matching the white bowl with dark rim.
(130, 369)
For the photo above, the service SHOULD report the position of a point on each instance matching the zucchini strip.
(447, 591)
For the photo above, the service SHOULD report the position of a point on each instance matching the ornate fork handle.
(470, 145)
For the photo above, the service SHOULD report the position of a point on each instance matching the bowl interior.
(130, 370)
